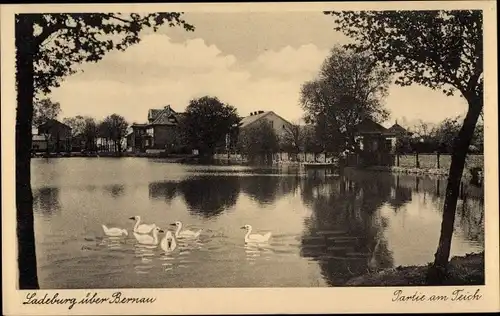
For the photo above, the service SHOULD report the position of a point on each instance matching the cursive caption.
(456, 295)
(89, 298)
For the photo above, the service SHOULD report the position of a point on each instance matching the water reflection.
(470, 216)
(255, 252)
(326, 228)
(144, 256)
(46, 200)
(163, 190)
(346, 233)
(115, 190)
(267, 189)
(209, 196)
(400, 195)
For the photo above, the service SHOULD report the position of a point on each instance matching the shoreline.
(190, 158)
(466, 175)
(462, 270)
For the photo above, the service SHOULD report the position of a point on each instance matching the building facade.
(53, 136)
(161, 132)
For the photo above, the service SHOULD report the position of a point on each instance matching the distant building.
(279, 124)
(52, 135)
(39, 143)
(160, 132)
(398, 129)
(376, 143)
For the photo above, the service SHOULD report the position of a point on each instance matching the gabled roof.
(52, 122)
(367, 126)
(153, 114)
(165, 116)
(398, 129)
(247, 120)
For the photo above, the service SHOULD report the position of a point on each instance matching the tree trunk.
(26, 256)
(119, 145)
(437, 271)
(47, 148)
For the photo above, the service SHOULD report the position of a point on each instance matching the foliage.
(293, 138)
(403, 144)
(206, 123)
(77, 124)
(446, 132)
(438, 49)
(63, 40)
(349, 88)
(258, 140)
(48, 48)
(312, 143)
(90, 133)
(44, 110)
(115, 127)
(478, 138)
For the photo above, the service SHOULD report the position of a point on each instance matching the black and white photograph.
(323, 147)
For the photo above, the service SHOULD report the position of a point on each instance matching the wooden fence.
(434, 161)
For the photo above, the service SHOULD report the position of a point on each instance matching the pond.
(325, 228)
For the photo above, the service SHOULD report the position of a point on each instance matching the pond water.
(325, 229)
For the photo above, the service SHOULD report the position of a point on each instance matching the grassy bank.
(466, 270)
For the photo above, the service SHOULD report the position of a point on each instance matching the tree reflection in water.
(209, 196)
(46, 201)
(345, 234)
(266, 189)
(166, 190)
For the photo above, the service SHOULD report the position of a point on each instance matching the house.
(39, 143)
(279, 124)
(161, 131)
(52, 135)
(373, 137)
(376, 143)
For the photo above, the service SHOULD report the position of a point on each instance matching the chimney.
(260, 112)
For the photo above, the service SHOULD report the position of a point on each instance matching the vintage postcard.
(249, 158)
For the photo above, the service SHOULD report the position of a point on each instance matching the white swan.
(149, 239)
(168, 243)
(142, 228)
(114, 231)
(185, 233)
(253, 238)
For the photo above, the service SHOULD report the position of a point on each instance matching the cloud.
(158, 51)
(305, 60)
(157, 72)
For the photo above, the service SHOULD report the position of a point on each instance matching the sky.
(253, 61)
